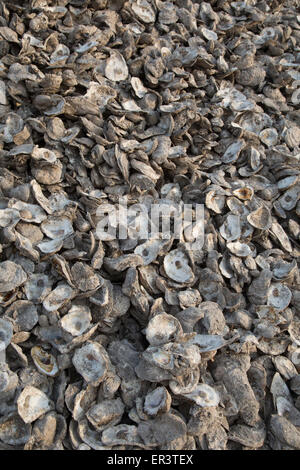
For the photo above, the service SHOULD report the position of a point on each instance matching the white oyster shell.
(231, 229)
(149, 250)
(143, 11)
(77, 320)
(57, 227)
(260, 218)
(33, 403)
(239, 249)
(177, 267)
(162, 329)
(269, 136)
(9, 217)
(91, 362)
(11, 276)
(116, 68)
(45, 362)
(50, 246)
(58, 297)
(30, 212)
(279, 296)
(204, 395)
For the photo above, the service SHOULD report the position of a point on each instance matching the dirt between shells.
(139, 343)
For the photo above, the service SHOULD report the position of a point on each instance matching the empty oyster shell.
(290, 198)
(177, 267)
(9, 217)
(143, 11)
(294, 331)
(269, 136)
(283, 271)
(281, 236)
(162, 329)
(44, 154)
(245, 193)
(155, 342)
(204, 395)
(240, 249)
(149, 250)
(231, 229)
(138, 87)
(233, 151)
(91, 361)
(260, 218)
(58, 297)
(122, 434)
(279, 296)
(57, 227)
(105, 414)
(77, 320)
(24, 314)
(50, 246)
(215, 201)
(210, 342)
(157, 402)
(13, 430)
(11, 276)
(45, 362)
(285, 367)
(84, 277)
(33, 403)
(116, 68)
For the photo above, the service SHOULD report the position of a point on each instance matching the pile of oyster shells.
(134, 343)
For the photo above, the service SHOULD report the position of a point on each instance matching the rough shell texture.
(32, 403)
(186, 113)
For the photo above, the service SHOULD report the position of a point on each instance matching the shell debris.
(178, 110)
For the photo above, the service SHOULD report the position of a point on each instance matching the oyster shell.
(91, 362)
(204, 395)
(33, 403)
(77, 320)
(162, 329)
(116, 69)
(13, 430)
(45, 362)
(177, 267)
(11, 276)
(58, 297)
